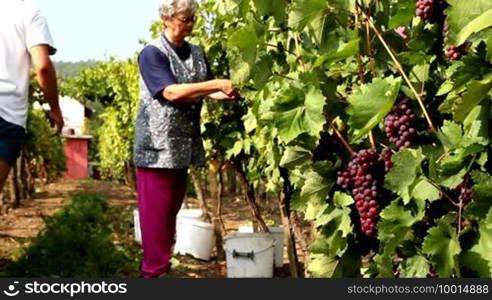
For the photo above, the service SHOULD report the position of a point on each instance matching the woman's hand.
(225, 85)
(221, 96)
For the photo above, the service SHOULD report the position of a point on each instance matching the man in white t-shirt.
(25, 41)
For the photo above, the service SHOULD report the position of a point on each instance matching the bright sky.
(98, 29)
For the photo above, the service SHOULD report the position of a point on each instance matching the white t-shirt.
(21, 28)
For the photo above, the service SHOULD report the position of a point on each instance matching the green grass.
(87, 239)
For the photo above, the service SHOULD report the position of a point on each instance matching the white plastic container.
(188, 214)
(183, 217)
(136, 225)
(278, 234)
(249, 255)
(195, 238)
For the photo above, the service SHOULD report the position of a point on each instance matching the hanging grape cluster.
(452, 52)
(425, 9)
(400, 125)
(455, 52)
(386, 156)
(364, 177)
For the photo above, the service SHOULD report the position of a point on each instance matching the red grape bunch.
(455, 52)
(400, 125)
(452, 52)
(425, 9)
(364, 178)
(386, 156)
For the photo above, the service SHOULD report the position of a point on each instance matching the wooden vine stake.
(342, 139)
(362, 71)
(402, 72)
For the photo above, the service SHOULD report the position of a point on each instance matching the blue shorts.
(11, 140)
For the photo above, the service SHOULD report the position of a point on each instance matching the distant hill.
(71, 69)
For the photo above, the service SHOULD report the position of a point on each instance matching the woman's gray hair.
(168, 8)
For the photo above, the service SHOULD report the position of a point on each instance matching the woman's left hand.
(221, 96)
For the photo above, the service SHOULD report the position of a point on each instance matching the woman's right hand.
(225, 85)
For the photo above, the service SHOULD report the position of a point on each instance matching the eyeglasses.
(186, 20)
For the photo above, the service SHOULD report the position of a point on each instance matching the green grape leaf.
(272, 7)
(479, 258)
(306, 11)
(450, 135)
(334, 220)
(415, 267)
(314, 117)
(371, 103)
(345, 51)
(395, 222)
(322, 266)
(289, 115)
(477, 91)
(342, 200)
(297, 204)
(404, 14)
(461, 13)
(476, 126)
(316, 188)
(242, 52)
(234, 7)
(262, 71)
(480, 23)
(320, 245)
(250, 122)
(404, 172)
(346, 5)
(424, 190)
(395, 214)
(482, 196)
(384, 263)
(443, 246)
(263, 7)
(294, 157)
(451, 181)
(489, 48)
(299, 112)
(393, 229)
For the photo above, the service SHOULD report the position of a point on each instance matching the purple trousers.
(160, 196)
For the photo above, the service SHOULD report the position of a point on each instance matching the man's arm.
(46, 77)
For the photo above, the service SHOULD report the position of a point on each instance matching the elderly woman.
(175, 77)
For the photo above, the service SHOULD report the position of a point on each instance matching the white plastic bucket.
(195, 238)
(136, 225)
(188, 214)
(249, 255)
(278, 235)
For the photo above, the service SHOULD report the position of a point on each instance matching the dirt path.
(17, 226)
